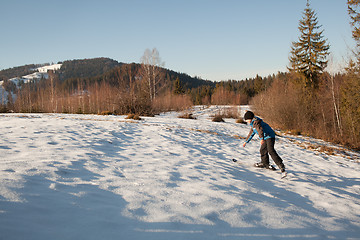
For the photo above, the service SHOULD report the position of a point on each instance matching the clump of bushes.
(106, 113)
(241, 120)
(218, 118)
(79, 111)
(232, 112)
(3, 109)
(226, 112)
(133, 116)
(295, 132)
(187, 116)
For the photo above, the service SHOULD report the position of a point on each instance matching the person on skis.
(267, 137)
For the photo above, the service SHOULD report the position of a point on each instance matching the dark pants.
(268, 148)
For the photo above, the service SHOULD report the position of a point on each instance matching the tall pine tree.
(178, 89)
(353, 7)
(309, 54)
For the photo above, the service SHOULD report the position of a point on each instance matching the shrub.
(241, 120)
(295, 132)
(133, 116)
(79, 111)
(218, 118)
(229, 112)
(187, 116)
(3, 109)
(106, 113)
(232, 112)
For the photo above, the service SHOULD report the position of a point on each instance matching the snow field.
(104, 177)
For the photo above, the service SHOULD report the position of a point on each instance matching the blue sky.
(212, 39)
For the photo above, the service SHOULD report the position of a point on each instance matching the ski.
(271, 167)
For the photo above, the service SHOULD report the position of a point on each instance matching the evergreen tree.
(259, 84)
(353, 7)
(308, 56)
(178, 89)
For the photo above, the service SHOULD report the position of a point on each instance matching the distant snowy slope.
(39, 73)
(104, 177)
(3, 94)
(53, 67)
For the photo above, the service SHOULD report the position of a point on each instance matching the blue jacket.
(258, 126)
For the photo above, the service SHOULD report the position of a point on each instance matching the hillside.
(86, 68)
(77, 68)
(6, 74)
(70, 73)
(105, 177)
(35, 73)
(96, 68)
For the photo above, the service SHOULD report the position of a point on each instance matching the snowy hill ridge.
(53, 67)
(105, 177)
(40, 72)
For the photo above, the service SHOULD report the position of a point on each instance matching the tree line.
(310, 100)
(104, 85)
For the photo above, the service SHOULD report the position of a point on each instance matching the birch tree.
(151, 71)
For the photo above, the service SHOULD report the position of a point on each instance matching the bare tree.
(53, 94)
(151, 70)
(334, 94)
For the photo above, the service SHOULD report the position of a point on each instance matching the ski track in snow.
(104, 177)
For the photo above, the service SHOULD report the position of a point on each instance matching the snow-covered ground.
(105, 177)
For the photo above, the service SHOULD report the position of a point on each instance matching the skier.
(267, 137)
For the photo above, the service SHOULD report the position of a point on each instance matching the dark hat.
(249, 115)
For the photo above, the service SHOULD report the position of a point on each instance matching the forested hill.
(80, 68)
(85, 68)
(17, 71)
(117, 73)
(103, 69)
